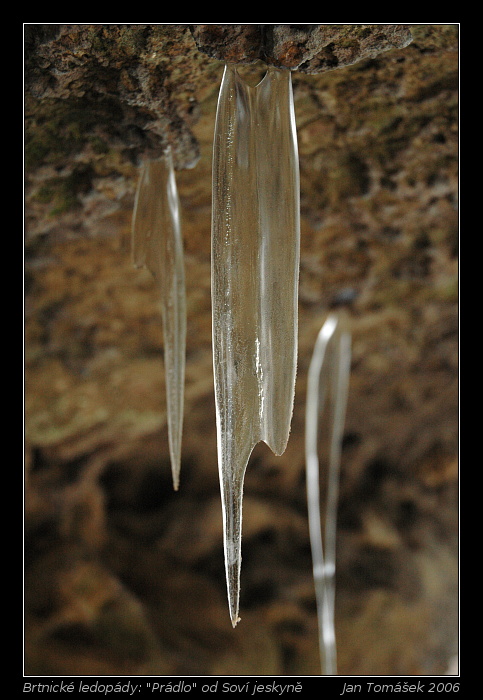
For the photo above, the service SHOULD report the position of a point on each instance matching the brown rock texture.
(307, 48)
(125, 576)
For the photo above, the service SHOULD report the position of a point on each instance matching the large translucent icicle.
(157, 245)
(255, 268)
(327, 389)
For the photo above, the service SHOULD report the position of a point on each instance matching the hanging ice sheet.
(157, 245)
(255, 269)
(327, 390)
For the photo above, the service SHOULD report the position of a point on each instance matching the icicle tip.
(175, 473)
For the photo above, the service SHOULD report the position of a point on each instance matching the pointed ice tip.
(175, 472)
(235, 620)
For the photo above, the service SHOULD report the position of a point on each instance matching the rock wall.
(122, 574)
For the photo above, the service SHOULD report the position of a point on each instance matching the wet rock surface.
(124, 576)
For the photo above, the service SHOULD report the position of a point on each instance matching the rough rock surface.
(124, 576)
(307, 48)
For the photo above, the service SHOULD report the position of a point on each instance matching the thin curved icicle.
(255, 268)
(157, 245)
(327, 390)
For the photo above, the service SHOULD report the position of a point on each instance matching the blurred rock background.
(122, 574)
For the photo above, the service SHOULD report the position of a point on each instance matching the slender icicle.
(327, 389)
(157, 245)
(255, 268)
